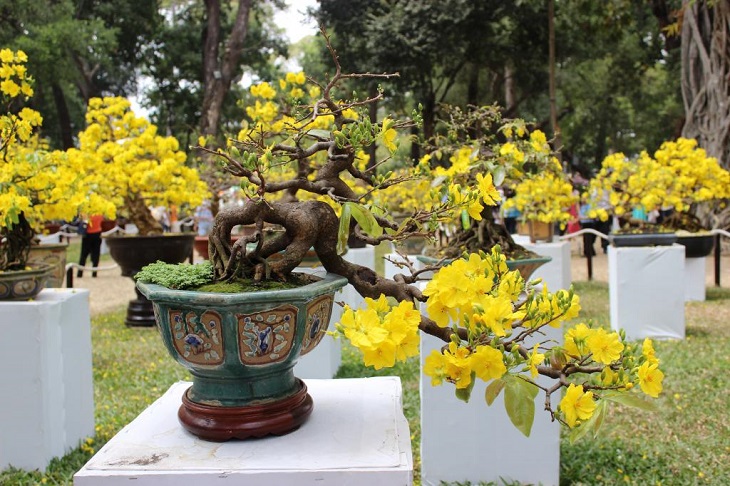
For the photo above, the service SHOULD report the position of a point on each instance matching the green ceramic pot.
(241, 350)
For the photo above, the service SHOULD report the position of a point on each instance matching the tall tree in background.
(219, 68)
(618, 85)
(222, 56)
(183, 96)
(77, 50)
(446, 50)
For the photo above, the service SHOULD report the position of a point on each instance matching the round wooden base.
(224, 423)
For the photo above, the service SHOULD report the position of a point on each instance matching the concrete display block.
(489, 447)
(49, 398)
(325, 359)
(646, 291)
(555, 273)
(357, 435)
(694, 279)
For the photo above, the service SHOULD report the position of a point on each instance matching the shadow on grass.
(696, 332)
(717, 293)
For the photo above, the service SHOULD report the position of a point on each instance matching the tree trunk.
(373, 115)
(706, 76)
(64, 119)
(472, 93)
(219, 71)
(552, 88)
(510, 99)
(141, 216)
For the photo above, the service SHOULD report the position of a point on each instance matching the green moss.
(247, 285)
(176, 276)
(199, 277)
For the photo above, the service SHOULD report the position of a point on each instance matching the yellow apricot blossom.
(577, 405)
(576, 340)
(647, 350)
(535, 360)
(605, 347)
(650, 379)
(487, 363)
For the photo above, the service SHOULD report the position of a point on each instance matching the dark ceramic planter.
(241, 350)
(642, 239)
(24, 284)
(132, 253)
(697, 246)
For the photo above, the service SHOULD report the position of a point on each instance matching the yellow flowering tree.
(37, 184)
(304, 141)
(132, 166)
(679, 176)
(545, 197)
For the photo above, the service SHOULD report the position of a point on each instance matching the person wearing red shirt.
(91, 243)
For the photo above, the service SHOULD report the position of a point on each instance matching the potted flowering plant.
(133, 167)
(543, 199)
(480, 309)
(677, 179)
(38, 184)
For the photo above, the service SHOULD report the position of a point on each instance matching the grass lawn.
(687, 442)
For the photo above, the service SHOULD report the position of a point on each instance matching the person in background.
(586, 222)
(510, 216)
(203, 218)
(90, 242)
(161, 216)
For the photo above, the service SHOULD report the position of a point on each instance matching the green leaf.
(365, 219)
(519, 402)
(631, 400)
(464, 394)
(465, 219)
(493, 390)
(344, 230)
(320, 133)
(498, 176)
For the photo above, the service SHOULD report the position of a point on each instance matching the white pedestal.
(475, 442)
(694, 279)
(556, 273)
(357, 435)
(49, 405)
(646, 291)
(325, 359)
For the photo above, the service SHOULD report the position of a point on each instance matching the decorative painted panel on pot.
(266, 336)
(318, 318)
(197, 337)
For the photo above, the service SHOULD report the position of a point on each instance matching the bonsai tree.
(476, 141)
(301, 165)
(132, 166)
(680, 177)
(37, 184)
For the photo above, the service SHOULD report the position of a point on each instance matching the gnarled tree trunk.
(706, 76)
(706, 86)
